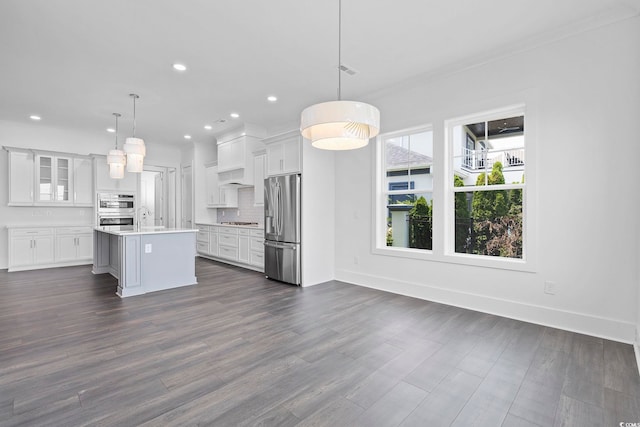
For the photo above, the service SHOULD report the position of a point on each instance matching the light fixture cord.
(116, 116)
(339, 49)
(134, 96)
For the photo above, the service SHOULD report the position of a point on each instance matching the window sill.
(462, 259)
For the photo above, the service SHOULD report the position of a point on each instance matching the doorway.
(157, 197)
(187, 197)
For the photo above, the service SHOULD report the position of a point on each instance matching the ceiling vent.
(348, 70)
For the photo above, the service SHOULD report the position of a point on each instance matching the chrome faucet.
(141, 214)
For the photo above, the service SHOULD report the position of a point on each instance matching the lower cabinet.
(74, 244)
(235, 245)
(43, 247)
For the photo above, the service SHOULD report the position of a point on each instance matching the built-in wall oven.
(116, 211)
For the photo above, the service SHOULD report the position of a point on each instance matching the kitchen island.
(146, 260)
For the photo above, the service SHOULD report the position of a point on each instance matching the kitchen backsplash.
(246, 211)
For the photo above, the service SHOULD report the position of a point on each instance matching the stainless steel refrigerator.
(282, 228)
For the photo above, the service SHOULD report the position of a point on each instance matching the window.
(406, 188)
(487, 180)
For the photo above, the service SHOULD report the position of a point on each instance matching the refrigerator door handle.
(279, 245)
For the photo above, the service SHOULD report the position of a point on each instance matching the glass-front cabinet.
(53, 179)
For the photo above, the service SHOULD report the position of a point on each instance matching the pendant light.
(134, 147)
(116, 158)
(340, 125)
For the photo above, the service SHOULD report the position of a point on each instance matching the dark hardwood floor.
(238, 349)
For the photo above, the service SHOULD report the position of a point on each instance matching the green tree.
(486, 208)
(420, 225)
(462, 218)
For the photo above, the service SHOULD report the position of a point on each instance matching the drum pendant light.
(134, 147)
(340, 125)
(116, 158)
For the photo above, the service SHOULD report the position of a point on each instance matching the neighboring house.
(406, 170)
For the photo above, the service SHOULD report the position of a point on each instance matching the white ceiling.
(74, 62)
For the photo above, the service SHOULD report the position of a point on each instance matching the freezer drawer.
(282, 261)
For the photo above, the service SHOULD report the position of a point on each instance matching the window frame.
(443, 193)
(381, 193)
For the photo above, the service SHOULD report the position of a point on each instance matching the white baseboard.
(582, 323)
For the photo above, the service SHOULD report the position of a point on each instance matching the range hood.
(235, 155)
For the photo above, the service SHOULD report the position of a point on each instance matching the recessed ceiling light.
(187, 137)
(111, 130)
(234, 115)
(272, 98)
(208, 127)
(34, 117)
(179, 67)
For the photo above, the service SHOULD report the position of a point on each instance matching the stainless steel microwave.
(115, 203)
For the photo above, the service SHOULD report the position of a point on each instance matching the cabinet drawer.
(202, 247)
(214, 229)
(202, 227)
(73, 230)
(228, 230)
(226, 240)
(257, 233)
(202, 236)
(228, 253)
(243, 232)
(256, 244)
(26, 232)
(256, 259)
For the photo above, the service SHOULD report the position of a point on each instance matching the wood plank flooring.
(241, 350)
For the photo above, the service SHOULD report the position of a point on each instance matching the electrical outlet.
(147, 248)
(238, 212)
(550, 287)
(222, 212)
(356, 260)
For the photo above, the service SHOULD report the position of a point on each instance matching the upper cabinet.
(54, 179)
(219, 196)
(235, 155)
(259, 174)
(44, 178)
(83, 181)
(105, 183)
(21, 174)
(283, 153)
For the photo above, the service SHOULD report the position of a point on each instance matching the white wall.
(583, 93)
(40, 136)
(319, 212)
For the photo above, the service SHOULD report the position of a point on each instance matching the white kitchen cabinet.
(231, 154)
(103, 182)
(235, 155)
(54, 178)
(228, 243)
(259, 174)
(83, 181)
(243, 245)
(213, 240)
(202, 239)
(73, 244)
(283, 154)
(30, 248)
(21, 177)
(219, 196)
(256, 248)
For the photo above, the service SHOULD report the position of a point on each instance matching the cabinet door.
(82, 182)
(45, 170)
(243, 249)
(213, 192)
(213, 243)
(63, 176)
(65, 248)
(21, 251)
(84, 246)
(259, 169)
(275, 159)
(43, 250)
(21, 173)
(291, 155)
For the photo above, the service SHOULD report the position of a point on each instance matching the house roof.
(399, 157)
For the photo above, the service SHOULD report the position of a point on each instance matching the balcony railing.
(484, 159)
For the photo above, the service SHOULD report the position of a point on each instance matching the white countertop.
(146, 230)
